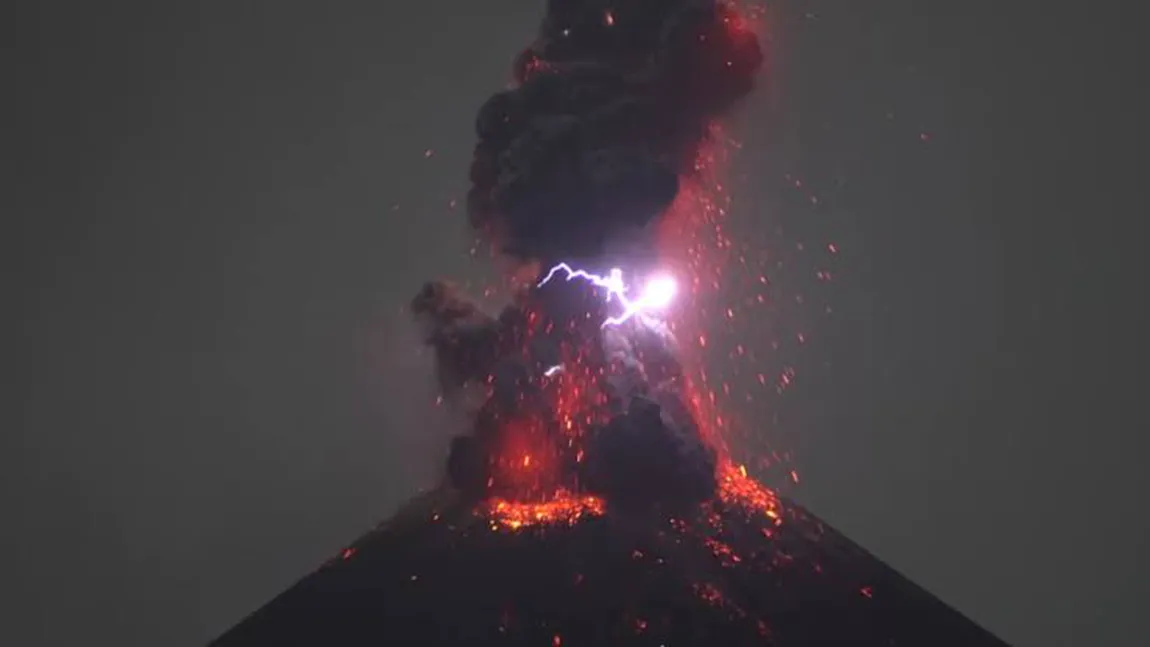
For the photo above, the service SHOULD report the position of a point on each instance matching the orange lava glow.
(735, 487)
(566, 508)
(525, 462)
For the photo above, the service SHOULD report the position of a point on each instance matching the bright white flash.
(657, 293)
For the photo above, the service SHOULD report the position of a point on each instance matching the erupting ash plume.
(580, 386)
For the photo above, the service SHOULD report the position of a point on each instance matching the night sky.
(220, 211)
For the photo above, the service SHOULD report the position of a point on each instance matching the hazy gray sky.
(220, 211)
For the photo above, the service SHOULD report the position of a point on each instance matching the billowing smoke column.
(574, 396)
(614, 98)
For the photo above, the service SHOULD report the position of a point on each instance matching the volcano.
(590, 505)
(592, 499)
(743, 569)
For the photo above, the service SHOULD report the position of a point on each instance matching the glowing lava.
(736, 487)
(566, 508)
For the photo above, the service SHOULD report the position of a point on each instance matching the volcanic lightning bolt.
(657, 294)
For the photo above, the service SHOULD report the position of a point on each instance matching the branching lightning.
(656, 295)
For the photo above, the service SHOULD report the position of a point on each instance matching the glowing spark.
(558, 368)
(657, 293)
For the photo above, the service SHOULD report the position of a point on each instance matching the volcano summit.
(742, 569)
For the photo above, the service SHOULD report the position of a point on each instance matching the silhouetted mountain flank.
(445, 572)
